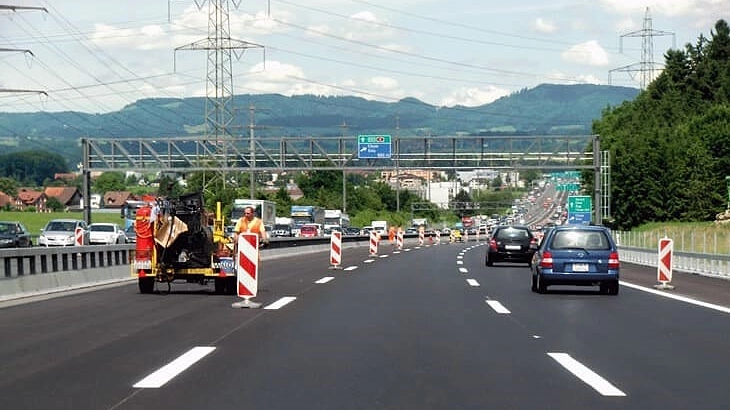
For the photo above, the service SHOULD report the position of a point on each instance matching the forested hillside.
(546, 109)
(670, 147)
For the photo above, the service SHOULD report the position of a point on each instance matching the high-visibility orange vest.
(256, 226)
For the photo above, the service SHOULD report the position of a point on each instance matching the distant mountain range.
(547, 109)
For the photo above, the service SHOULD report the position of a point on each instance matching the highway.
(427, 328)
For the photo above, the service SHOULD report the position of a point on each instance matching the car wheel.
(488, 262)
(541, 284)
(534, 283)
(609, 288)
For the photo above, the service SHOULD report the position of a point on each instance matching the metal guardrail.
(707, 264)
(18, 262)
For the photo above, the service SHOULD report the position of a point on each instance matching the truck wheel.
(220, 286)
(146, 285)
(232, 285)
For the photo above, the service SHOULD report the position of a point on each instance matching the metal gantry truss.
(192, 154)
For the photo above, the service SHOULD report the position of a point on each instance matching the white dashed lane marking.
(167, 372)
(587, 375)
(498, 307)
(281, 303)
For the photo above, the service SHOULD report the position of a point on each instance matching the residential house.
(28, 197)
(116, 199)
(69, 197)
(6, 200)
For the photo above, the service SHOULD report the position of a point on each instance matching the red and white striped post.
(664, 265)
(420, 237)
(336, 250)
(79, 237)
(399, 240)
(247, 270)
(374, 239)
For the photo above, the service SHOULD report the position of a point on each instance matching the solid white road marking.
(350, 268)
(678, 297)
(281, 302)
(167, 372)
(588, 376)
(498, 307)
(325, 279)
(463, 270)
(472, 282)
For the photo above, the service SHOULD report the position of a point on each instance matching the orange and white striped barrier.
(399, 241)
(420, 237)
(336, 250)
(374, 239)
(247, 270)
(79, 237)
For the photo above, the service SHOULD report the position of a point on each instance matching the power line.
(26, 51)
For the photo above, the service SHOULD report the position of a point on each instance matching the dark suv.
(511, 243)
(582, 255)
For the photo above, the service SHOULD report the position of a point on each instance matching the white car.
(62, 232)
(103, 233)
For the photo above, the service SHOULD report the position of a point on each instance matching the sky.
(98, 56)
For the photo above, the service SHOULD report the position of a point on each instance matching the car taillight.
(613, 262)
(547, 260)
(493, 244)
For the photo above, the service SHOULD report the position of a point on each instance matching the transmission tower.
(646, 67)
(219, 112)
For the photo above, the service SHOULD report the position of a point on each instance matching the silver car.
(63, 232)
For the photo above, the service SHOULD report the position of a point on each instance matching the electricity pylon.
(219, 111)
(646, 67)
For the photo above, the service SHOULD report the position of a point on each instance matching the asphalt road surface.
(427, 328)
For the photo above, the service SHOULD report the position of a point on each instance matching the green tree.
(109, 181)
(54, 204)
(8, 186)
(32, 167)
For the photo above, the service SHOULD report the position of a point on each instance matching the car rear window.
(102, 228)
(580, 239)
(61, 226)
(513, 233)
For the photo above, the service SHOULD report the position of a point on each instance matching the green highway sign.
(579, 204)
(579, 210)
(373, 139)
(568, 187)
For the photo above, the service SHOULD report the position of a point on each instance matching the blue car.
(581, 255)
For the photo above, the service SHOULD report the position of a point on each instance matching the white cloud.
(473, 96)
(563, 78)
(364, 16)
(589, 53)
(626, 24)
(544, 26)
(384, 83)
(666, 7)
